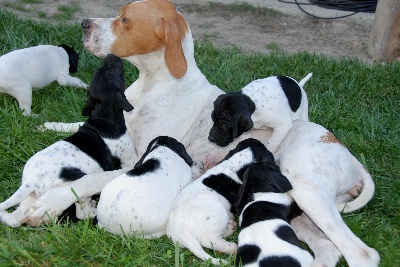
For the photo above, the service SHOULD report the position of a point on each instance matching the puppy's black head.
(231, 116)
(260, 152)
(108, 86)
(73, 58)
(261, 178)
(172, 144)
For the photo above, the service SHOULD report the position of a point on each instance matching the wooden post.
(384, 41)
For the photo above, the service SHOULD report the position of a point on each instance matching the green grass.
(358, 102)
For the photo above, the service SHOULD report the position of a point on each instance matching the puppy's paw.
(86, 210)
(231, 227)
(48, 206)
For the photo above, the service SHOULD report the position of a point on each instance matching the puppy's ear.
(280, 182)
(174, 56)
(88, 107)
(242, 123)
(242, 194)
(122, 102)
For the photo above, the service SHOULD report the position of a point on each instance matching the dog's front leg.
(71, 81)
(58, 199)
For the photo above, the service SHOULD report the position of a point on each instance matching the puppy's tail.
(305, 79)
(195, 247)
(366, 194)
(19, 195)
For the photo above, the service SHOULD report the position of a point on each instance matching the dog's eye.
(123, 20)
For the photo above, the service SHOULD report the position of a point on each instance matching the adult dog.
(172, 97)
(24, 70)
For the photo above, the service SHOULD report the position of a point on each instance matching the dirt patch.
(252, 29)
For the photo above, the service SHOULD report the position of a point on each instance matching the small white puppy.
(33, 68)
(201, 213)
(274, 102)
(139, 201)
(266, 237)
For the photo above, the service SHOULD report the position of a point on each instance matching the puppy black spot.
(68, 174)
(224, 185)
(284, 261)
(148, 166)
(247, 254)
(89, 142)
(286, 233)
(292, 92)
(262, 211)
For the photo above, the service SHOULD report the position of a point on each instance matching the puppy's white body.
(140, 204)
(33, 68)
(263, 234)
(201, 216)
(102, 143)
(273, 107)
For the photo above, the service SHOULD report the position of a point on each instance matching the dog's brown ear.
(174, 56)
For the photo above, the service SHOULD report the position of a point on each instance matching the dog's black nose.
(85, 24)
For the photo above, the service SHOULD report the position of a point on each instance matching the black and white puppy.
(101, 144)
(201, 213)
(266, 237)
(139, 201)
(273, 102)
(33, 68)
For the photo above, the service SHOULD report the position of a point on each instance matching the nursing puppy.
(266, 237)
(101, 144)
(273, 102)
(201, 213)
(139, 201)
(33, 68)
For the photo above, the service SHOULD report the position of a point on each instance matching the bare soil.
(254, 30)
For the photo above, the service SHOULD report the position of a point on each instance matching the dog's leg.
(278, 134)
(60, 126)
(23, 94)
(190, 242)
(72, 81)
(321, 209)
(325, 252)
(17, 217)
(56, 200)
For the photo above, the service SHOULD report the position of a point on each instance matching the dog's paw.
(48, 206)
(86, 209)
(231, 227)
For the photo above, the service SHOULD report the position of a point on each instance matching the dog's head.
(108, 86)
(170, 143)
(142, 27)
(231, 116)
(261, 178)
(72, 56)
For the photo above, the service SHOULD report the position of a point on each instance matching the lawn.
(358, 102)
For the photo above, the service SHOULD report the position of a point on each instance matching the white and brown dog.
(201, 213)
(172, 97)
(279, 100)
(139, 201)
(264, 207)
(33, 68)
(101, 144)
